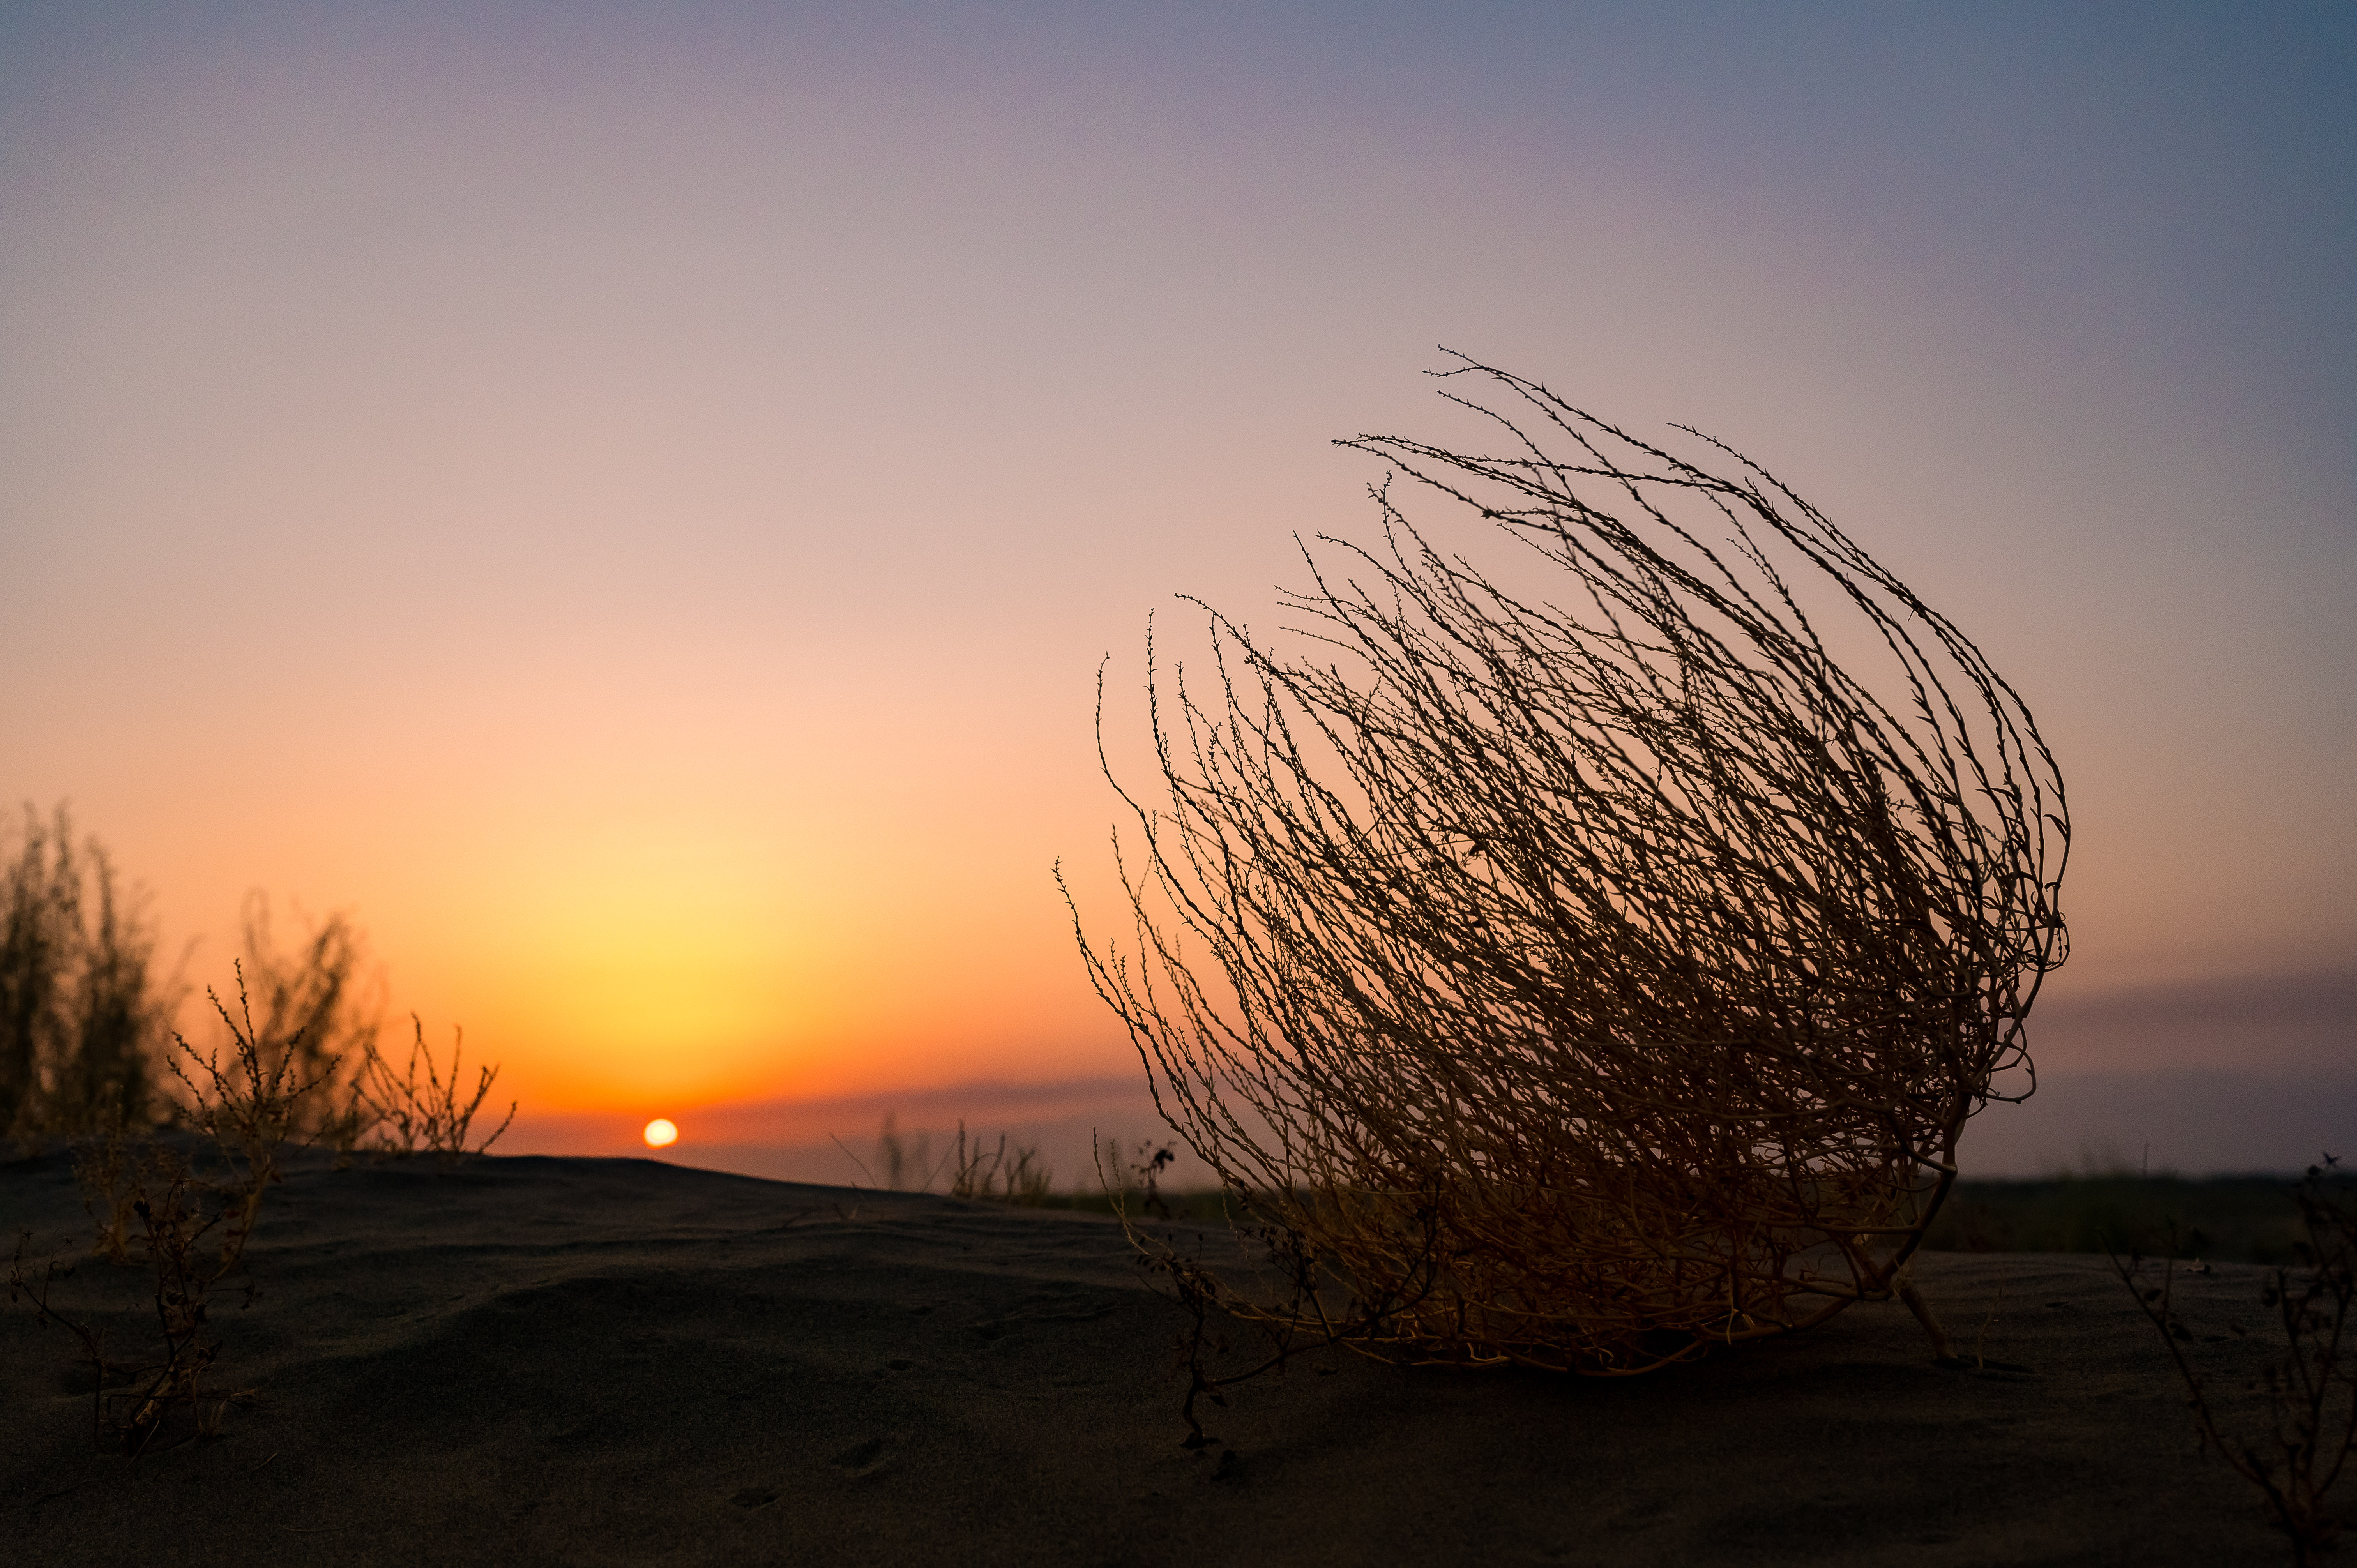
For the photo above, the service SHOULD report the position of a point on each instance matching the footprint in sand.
(862, 1459)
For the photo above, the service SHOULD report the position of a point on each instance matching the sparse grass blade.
(999, 1176)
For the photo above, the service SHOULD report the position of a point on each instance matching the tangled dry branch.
(1583, 977)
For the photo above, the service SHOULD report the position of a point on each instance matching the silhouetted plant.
(903, 1157)
(321, 1008)
(247, 1108)
(899, 1156)
(980, 1171)
(1152, 1161)
(1122, 1179)
(85, 1021)
(2298, 1452)
(1584, 974)
(405, 1116)
(134, 1401)
(250, 1109)
(81, 1015)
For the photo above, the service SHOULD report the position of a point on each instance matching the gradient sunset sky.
(629, 502)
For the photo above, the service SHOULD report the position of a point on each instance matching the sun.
(661, 1132)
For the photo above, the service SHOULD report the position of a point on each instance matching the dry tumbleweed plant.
(1581, 976)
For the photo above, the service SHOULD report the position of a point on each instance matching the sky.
(630, 502)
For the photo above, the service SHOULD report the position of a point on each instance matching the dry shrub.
(407, 1117)
(901, 1157)
(249, 1109)
(2296, 1453)
(151, 1195)
(103, 1170)
(1583, 975)
(322, 1003)
(248, 1102)
(83, 1018)
(1138, 1178)
(133, 1402)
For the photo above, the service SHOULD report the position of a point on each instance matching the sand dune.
(538, 1360)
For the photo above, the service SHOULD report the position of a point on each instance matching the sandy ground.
(540, 1360)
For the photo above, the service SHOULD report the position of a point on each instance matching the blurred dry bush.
(321, 1008)
(1584, 965)
(86, 1021)
(997, 1175)
(82, 1018)
(903, 1156)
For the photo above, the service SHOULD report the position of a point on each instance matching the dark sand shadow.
(536, 1360)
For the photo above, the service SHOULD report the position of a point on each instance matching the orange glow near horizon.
(650, 967)
(608, 952)
(609, 1017)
